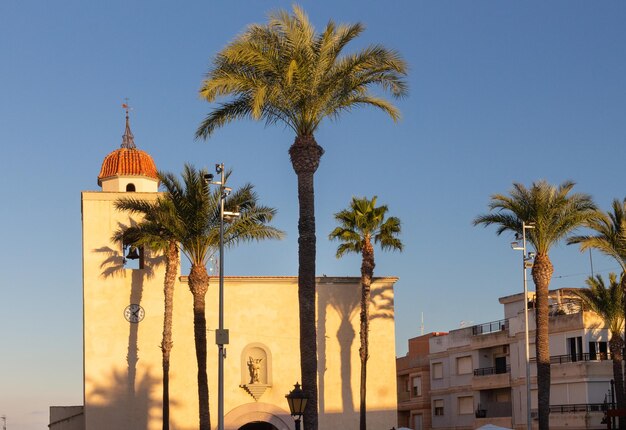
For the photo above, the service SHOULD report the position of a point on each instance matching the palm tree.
(555, 213)
(359, 225)
(610, 239)
(196, 212)
(285, 72)
(155, 231)
(608, 303)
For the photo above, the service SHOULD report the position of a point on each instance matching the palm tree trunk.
(367, 272)
(199, 284)
(305, 155)
(171, 269)
(623, 285)
(542, 273)
(616, 345)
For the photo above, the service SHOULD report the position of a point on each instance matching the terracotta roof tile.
(127, 162)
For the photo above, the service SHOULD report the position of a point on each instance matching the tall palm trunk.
(623, 285)
(542, 273)
(367, 272)
(621, 404)
(305, 155)
(616, 346)
(171, 269)
(199, 285)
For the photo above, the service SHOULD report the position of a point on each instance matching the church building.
(123, 324)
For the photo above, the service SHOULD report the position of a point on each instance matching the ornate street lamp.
(297, 402)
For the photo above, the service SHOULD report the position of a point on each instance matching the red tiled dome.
(127, 162)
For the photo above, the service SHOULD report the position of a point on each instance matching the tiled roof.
(127, 162)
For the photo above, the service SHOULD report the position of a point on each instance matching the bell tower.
(122, 300)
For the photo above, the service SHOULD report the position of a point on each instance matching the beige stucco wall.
(123, 360)
(143, 184)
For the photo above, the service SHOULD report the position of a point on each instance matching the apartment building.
(414, 384)
(478, 373)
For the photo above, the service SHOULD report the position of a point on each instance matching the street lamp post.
(297, 402)
(527, 259)
(221, 334)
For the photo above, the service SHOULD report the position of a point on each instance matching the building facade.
(414, 384)
(123, 323)
(478, 373)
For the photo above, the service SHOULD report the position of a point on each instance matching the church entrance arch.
(258, 416)
(258, 425)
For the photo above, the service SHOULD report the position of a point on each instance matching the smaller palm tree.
(359, 226)
(197, 215)
(608, 303)
(154, 232)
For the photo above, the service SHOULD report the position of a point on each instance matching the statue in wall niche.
(254, 367)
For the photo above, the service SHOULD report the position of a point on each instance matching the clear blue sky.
(499, 92)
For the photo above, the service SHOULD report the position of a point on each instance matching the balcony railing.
(568, 409)
(490, 327)
(573, 358)
(492, 370)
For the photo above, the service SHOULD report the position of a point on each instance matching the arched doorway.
(258, 416)
(258, 425)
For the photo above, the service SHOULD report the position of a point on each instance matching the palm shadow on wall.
(112, 407)
(347, 306)
(126, 393)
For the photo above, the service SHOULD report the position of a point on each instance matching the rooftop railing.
(490, 327)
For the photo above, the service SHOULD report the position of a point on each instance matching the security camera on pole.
(527, 263)
(221, 334)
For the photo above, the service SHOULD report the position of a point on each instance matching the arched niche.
(256, 369)
(256, 365)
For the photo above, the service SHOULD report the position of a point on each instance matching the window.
(464, 365)
(502, 395)
(437, 370)
(466, 405)
(575, 348)
(417, 386)
(438, 405)
(598, 351)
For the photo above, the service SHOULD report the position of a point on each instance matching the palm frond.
(610, 233)
(284, 71)
(362, 223)
(606, 301)
(554, 211)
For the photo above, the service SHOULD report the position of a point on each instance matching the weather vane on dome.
(128, 140)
